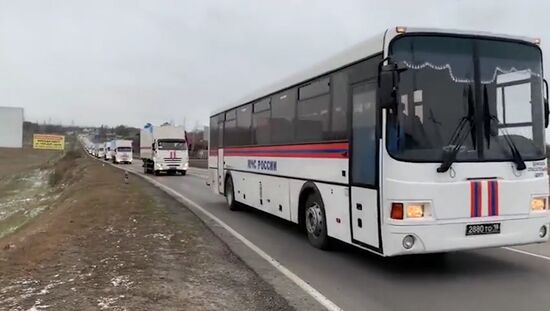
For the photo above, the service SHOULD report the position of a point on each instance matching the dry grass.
(14, 161)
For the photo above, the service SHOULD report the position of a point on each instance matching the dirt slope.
(108, 245)
(15, 160)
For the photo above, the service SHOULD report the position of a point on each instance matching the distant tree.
(102, 132)
(122, 131)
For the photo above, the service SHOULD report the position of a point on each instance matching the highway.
(491, 279)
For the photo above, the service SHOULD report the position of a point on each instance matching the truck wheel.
(183, 173)
(156, 172)
(315, 221)
(230, 194)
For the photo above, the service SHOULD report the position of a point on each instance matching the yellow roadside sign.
(47, 141)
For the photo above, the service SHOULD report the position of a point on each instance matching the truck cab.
(170, 155)
(108, 151)
(122, 151)
(100, 151)
(164, 149)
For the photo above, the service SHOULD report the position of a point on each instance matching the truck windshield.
(172, 144)
(124, 149)
(497, 83)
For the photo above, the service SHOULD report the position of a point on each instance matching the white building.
(11, 127)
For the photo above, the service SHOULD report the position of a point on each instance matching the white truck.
(100, 150)
(91, 148)
(108, 150)
(122, 151)
(164, 149)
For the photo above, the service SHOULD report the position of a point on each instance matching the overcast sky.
(131, 62)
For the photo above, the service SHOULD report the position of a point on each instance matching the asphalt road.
(491, 279)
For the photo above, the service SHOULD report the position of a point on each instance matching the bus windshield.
(494, 86)
(172, 144)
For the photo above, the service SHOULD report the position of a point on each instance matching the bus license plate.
(481, 229)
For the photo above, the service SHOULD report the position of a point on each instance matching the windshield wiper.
(459, 136)
(516, 155)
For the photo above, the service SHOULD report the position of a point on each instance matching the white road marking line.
(527, 253)
(198, 175)
(324, 301)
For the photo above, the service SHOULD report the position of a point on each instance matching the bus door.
(364, 166)
(220, 177)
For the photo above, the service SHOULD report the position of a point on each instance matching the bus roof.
(357, 52)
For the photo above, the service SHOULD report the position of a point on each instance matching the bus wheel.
(230, 194)
(315, 221)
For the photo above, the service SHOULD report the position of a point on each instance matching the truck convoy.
(121, 151)
(164, 149)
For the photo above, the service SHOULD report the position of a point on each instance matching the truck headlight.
(539, 204)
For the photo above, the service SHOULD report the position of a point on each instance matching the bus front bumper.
(435, 238)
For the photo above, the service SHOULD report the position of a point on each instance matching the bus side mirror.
(546, 108)
(388, 79)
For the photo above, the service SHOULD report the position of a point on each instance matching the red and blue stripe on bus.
(339, 150)
(476, 196)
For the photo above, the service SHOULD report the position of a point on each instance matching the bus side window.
(339, 87)
(213, 137)
(243, 136)
(260, 122)
(313, 111)
(283, 111)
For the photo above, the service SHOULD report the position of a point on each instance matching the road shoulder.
(296, 296)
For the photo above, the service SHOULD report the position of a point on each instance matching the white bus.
(416, 141)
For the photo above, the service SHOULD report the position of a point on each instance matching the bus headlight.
(410, 210)
(415, 210)
(539, 204)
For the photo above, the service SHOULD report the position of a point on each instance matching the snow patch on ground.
(121, 281)
(160, 236)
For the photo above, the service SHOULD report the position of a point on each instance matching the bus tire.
(315, 221)
(229, 193)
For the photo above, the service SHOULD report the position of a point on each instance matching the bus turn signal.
(397, 210)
